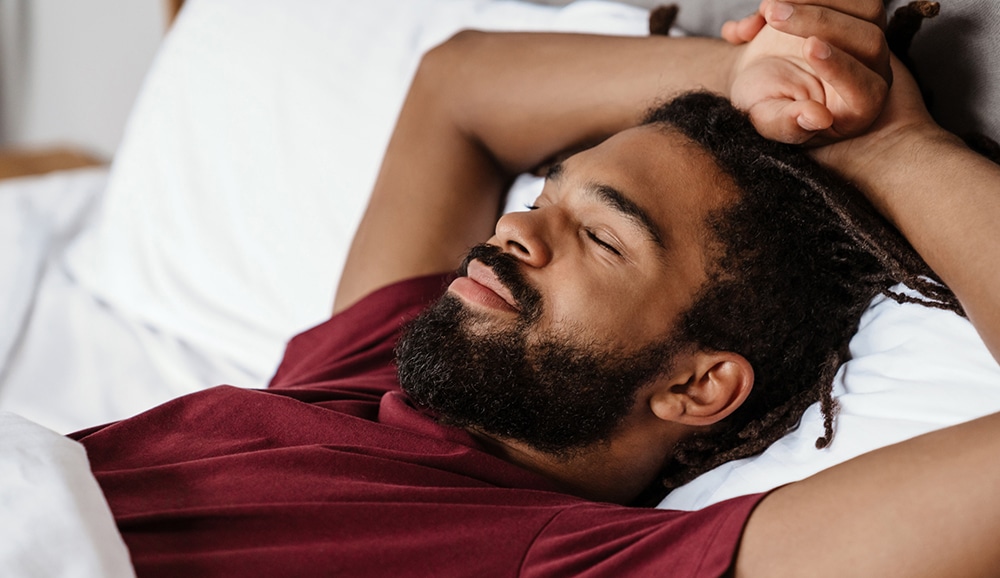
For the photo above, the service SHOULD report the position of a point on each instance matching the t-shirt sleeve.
(596, 540)
(357, 342)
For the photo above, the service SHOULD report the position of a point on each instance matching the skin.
(815, 72)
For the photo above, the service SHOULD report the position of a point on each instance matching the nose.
(525, 234)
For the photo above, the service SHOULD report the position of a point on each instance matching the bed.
(220, 229)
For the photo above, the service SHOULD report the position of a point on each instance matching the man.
(336, 471)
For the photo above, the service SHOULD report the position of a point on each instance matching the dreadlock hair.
(801, 255)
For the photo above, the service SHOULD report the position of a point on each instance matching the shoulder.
(639, 542)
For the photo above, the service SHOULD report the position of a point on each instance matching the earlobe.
(716, 384)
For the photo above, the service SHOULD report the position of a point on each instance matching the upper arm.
(924, 507)
(438, 190)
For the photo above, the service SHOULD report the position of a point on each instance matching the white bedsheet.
(38, 217)
(68, 358)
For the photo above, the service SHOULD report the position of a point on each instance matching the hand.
(816, 72)
(897, 132)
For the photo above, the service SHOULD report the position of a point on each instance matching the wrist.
(884, 152)
(734, 62)
(883, 164)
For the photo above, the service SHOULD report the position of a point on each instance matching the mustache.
(507, 268)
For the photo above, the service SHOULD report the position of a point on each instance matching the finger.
(872, 11)
(728, 32)
(862, 91)
(743, 30)
(790, 121)
(862, 40)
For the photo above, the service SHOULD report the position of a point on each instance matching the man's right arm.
(929, 506)
(484, 107)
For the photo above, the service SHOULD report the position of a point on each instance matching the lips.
(484, 276)
(483, 286)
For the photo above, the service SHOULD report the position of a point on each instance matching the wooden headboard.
(173, 7)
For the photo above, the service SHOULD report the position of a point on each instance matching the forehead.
(668, 177)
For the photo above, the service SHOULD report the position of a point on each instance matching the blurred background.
(70, 70)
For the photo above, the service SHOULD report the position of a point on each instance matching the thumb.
(743, 30)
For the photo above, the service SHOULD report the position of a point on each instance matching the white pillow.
(913, 370)
(248, 159)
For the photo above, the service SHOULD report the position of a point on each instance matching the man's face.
(552, 328)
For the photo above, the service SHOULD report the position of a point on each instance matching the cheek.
(615, 313)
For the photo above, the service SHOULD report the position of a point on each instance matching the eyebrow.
(617, 201)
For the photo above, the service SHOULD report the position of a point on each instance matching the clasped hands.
(811, 71)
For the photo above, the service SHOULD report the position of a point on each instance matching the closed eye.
(602, 244)
(590, 235)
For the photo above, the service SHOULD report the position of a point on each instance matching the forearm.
(526, 97)
(946, 200)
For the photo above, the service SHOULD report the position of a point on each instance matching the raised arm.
(485, 107)
(929, 506)
(941, 195)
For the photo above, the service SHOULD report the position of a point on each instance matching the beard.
(544, 390)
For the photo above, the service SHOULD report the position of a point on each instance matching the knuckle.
(874, 12)
(869, 46)
(872, 44)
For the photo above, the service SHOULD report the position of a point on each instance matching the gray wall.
(70, 69)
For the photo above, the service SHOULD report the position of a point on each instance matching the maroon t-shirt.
(332, 471)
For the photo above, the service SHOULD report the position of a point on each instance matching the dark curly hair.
(802, 255)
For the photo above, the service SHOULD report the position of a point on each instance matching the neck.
(616, 471)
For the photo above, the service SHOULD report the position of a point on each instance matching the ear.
(711, 386)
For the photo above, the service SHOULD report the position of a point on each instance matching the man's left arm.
(943, 197)
(928, 506)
